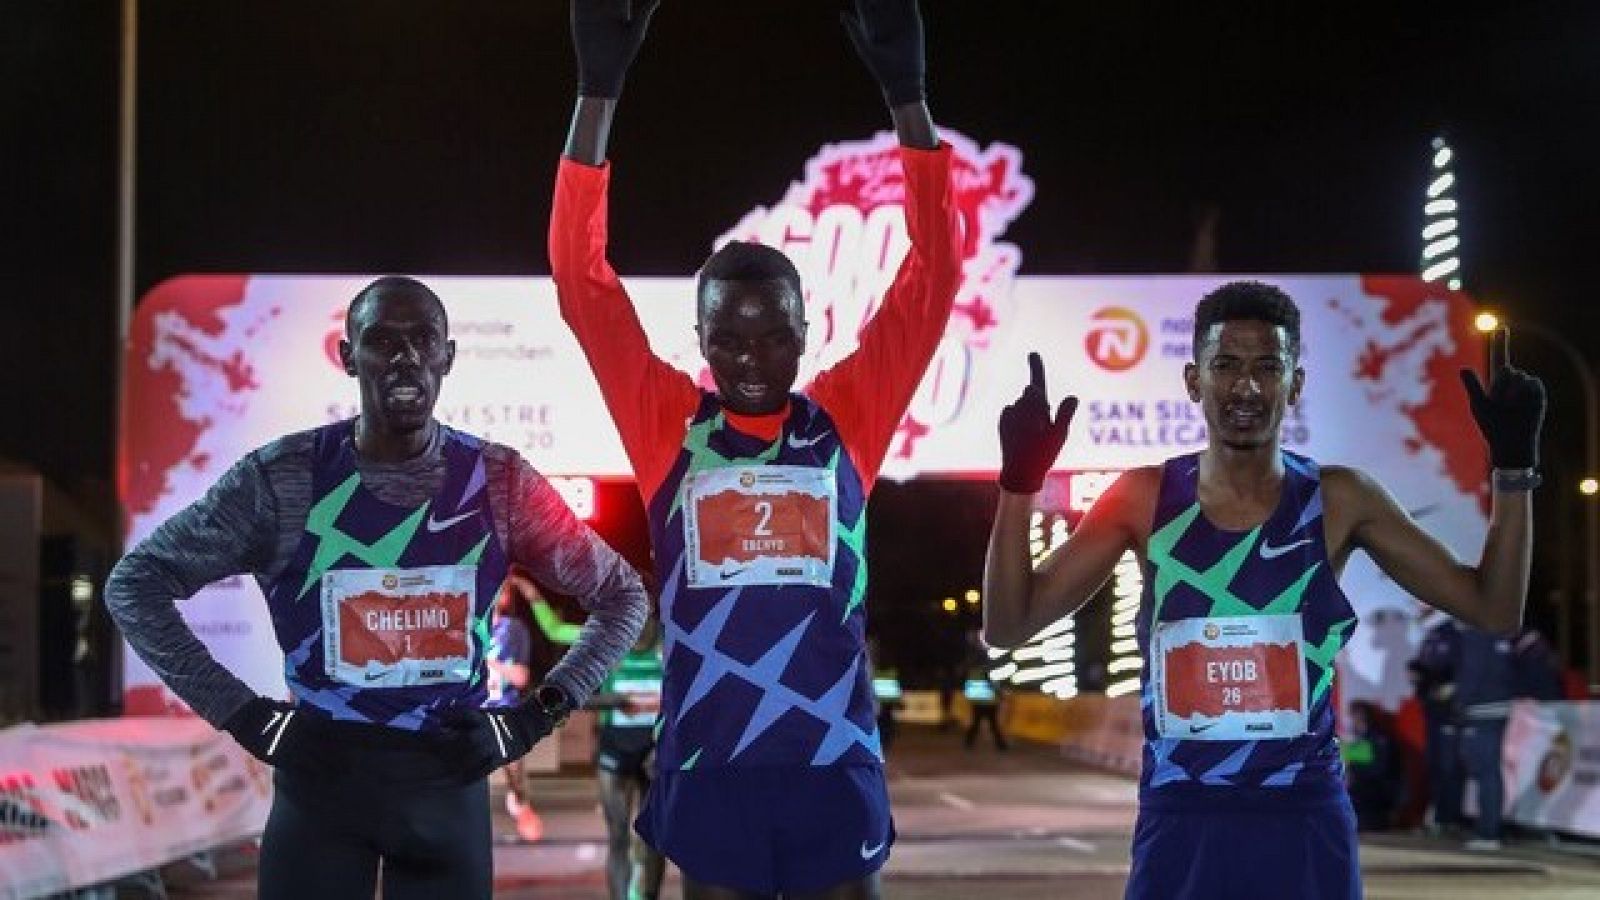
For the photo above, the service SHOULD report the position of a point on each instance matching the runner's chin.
(405, 417)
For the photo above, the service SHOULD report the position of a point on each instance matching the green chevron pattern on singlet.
(1214, 581)
(333, 544)
(697, 444)
(854, 537)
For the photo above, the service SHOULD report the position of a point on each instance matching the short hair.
(746, 261)
(1247, 300)
(390, 284)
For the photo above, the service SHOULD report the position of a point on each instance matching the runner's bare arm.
(1018, 599)
(1510, 414)
(1488, 596)
(606, 36)
(888, 36)
(868, 392)
(589, 133)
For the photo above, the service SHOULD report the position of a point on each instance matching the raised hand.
(1510, 412)
(1030, 440)
(888, 37)
(606, 35)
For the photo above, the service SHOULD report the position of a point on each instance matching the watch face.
(554, 700)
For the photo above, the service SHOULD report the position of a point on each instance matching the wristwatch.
(554, 700)
(1511, 480)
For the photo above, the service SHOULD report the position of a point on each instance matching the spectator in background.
(510, 659)
(1536, 668)
(1484, 680)
(982, 694)
(1433, 673)
(1372, 767)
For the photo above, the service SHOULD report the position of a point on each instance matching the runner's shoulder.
(1347, 487)
(293, 451)
(505, 466)
(1137, 487)
(1131, 499)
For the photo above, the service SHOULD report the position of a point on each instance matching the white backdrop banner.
(86, 802)
(219, 365)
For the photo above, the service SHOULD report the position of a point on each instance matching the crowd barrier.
(1551, 764)
(87, 802)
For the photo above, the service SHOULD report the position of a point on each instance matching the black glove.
(1029, 440)
(888, 37)
(606, 35)
(1511, 411)
(279, 734)
(493, 738)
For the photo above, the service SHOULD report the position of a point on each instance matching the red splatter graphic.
(739, 527)
(989, 190)
(1443, 419)
(155, 436)
(1267, 677)
(375, 627)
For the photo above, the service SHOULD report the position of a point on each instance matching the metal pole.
(1591, 505)
(127, 132)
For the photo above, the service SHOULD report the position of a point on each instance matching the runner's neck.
(766, 427)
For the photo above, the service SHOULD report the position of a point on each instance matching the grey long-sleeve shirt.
(252, 519)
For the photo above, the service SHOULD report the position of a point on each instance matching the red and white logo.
(331, 340)
(1117, 338)
(844, 228)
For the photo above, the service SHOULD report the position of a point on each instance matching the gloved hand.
(1029, 440)
(1511, 411)
(888, 37)
(492, 738)
(277, 733)
(606, 35)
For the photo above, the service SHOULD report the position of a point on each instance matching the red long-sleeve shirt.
(866, 393)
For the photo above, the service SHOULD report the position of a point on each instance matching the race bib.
(1239, 678)
(762, 525)
(398, 627)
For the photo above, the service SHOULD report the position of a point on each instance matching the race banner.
(1551, 763)
(90, 801)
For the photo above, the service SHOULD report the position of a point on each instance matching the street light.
(1589, 486)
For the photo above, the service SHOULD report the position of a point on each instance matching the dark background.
(421, 136)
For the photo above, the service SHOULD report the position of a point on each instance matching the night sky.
(422, 136)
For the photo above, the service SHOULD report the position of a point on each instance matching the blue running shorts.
(771, 829)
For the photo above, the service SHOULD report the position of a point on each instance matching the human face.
(1245, 377)
(752, 336)
(397, 349)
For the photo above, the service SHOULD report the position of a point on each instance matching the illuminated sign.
(579, 494)
(1117, 339)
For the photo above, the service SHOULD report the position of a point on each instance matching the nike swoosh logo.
(729, 573)
(371, 676)
(801, 444)
(436, 525)
(1196, 729)
(874, 850)
(1270, 552)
